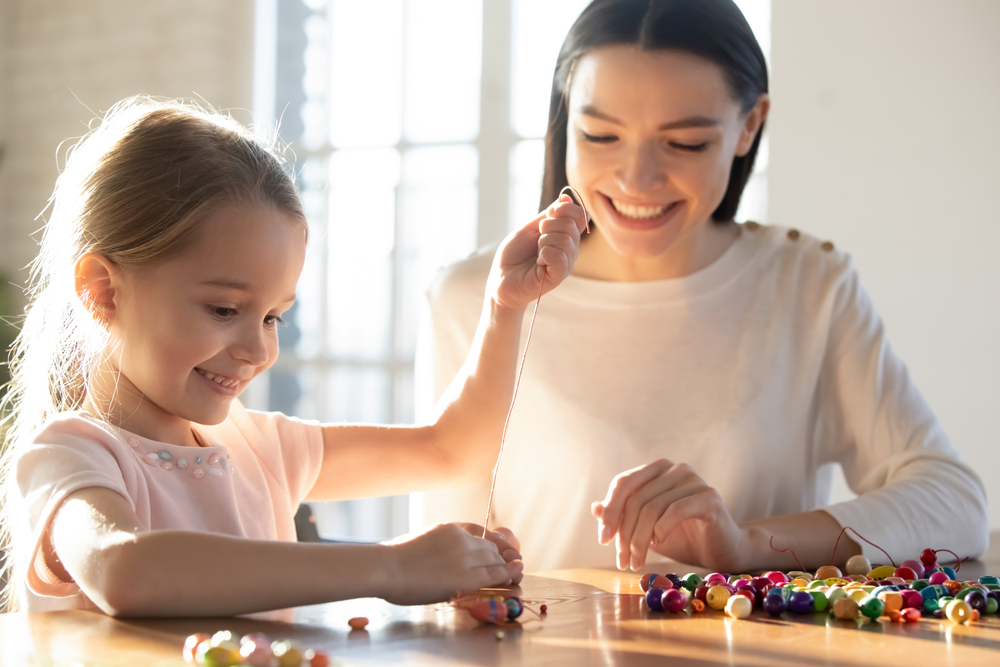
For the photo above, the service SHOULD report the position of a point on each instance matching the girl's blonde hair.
(133, 190)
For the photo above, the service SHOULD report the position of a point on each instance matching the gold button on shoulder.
(793, 234)
(751, 225)
(827, 246)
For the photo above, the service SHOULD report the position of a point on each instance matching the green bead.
(919, 584)
(690, 581)
(872, 607)
(991, 605)
(819, 600)
(816, 584)
(931, 606)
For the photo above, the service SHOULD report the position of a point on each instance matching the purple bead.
(654, 599)
(939, 614)
(674, 579)
(775, 604)
(995, 594)
(976, 600)
(802, 603)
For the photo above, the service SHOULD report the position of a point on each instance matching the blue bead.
(164, 454)
(989, 579)
(197, 459)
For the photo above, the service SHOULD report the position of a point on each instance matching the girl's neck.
(123, 406)
(599, 261)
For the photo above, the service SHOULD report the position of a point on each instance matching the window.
(416, 128)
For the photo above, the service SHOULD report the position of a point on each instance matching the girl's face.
(194, 329)
(651, 140)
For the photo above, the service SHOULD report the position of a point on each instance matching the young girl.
(716, 369)
(136, 482)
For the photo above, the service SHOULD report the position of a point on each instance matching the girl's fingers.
(621, 489)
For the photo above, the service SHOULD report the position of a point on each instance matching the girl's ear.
(751, 124)
(95, 280)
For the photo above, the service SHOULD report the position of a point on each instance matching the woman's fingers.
(621, 489)
(638, 532)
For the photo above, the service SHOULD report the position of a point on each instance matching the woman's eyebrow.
(691, 121)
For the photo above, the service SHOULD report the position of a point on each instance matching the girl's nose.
(251, 347)
(641, 170)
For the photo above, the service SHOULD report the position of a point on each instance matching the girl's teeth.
(641, 212)
(218, 379)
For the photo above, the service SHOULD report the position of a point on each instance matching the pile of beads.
(225, 649)
(904, 594)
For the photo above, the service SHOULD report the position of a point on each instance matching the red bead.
(905, 573)
(928, 558)
(674, 600)
(544, 608)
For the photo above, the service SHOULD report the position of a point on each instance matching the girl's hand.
(504, 540)
(545, 248)
(442, 562)
(668, 507)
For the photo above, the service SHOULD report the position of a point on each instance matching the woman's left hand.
(544, 249)
(669, 508)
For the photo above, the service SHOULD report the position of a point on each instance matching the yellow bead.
(958, 611)
(717, 597)
(858, 594)
(832, 581)
(881, 572)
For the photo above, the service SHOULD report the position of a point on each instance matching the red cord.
(859, 535)
(781, 551)
(958, 561)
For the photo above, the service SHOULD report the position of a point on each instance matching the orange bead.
(358, 623)
(697, 605)
(828, 572)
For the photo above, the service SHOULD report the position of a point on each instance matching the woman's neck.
(599, 261)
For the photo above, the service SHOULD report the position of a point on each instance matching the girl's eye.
(271, 320)
(222, 312)
(691, 148)
(598, 139)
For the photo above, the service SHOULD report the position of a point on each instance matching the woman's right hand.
(443, 562)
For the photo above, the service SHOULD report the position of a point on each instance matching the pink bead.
(937, 578)
(166, 465)
(715, 577)
(674, 600)
(197, 473)
(912, 599)
(213, 460)
(133, 442)
(777, 577)
(916, 566)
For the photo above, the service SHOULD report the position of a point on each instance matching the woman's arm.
(127, 571)
(461, 443)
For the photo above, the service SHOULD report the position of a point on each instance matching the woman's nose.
(641, 170)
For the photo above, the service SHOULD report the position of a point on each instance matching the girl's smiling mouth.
(221, 380)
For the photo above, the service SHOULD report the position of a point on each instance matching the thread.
(517, 380)
(846, 528)
(781, 551)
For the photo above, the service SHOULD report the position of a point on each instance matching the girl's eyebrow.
(236, 285)
(691, 121)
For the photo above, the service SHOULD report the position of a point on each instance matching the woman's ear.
(95, 279)
(751, 124)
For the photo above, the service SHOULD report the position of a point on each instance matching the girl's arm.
(461, 443)
(128, 571)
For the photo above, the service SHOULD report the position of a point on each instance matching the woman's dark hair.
(712, 29)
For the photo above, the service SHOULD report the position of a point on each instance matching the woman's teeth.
(640, 212)
(218, 379)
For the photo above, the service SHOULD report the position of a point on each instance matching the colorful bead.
(673, 600)
(197, 459)
(167, 465)
(976, 599)
(774, 605)
(928, 558)
(197, 473)
(828, 571)
(858, 565)
(182, 463)
(644, 581)
(215, 472)
(802, 603)
(717, 597)
(881, 572)
(654, 597)
(358, 623)
(937, 578)
(697, 606)
(916, 566)
(872, 607)
(213, 459)
(317, 658)
(133, 442)
(738, 606)
(846, 609)
(164, 454)
(514, 608)
(958, 611)
(691, 581)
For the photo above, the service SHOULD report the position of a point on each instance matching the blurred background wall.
(883, 138)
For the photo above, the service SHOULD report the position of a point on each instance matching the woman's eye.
(691, 148)
(598, 138)
(271, 320)
(222, 312)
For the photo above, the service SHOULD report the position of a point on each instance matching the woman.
(706, 373)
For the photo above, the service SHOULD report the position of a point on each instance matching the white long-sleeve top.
(760, 371)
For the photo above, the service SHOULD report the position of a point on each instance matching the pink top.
(250, 486)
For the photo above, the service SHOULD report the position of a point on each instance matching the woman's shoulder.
(791, 250)
(464, 280)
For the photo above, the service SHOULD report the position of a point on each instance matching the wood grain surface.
(595, 617)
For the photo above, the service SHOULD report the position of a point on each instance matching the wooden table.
(595, 617)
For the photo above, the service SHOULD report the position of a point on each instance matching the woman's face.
(651, 140)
